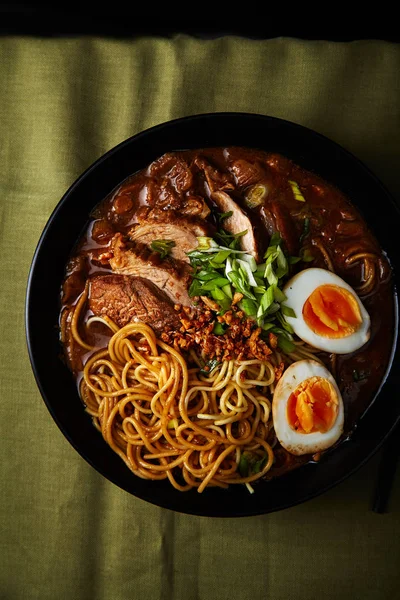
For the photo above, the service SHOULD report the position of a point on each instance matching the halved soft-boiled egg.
(329, 314)
(307, 408)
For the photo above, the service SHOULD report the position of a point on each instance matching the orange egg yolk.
(332, 311)
(313, 406)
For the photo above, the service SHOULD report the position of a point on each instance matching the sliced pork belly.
(171, 276)
(127, 299)
(167, 225)
(184, 239)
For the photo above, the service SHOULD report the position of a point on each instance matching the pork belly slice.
(184, 239)
(127, 299)
(169, 226)
(238, 222)
(171, 276)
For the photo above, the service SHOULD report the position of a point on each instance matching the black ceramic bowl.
(307, 148)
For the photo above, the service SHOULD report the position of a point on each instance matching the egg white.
(294, 441)
(299, 289)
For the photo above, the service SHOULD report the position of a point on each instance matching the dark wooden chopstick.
(387, 472)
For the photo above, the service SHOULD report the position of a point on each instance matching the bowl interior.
(305, 147)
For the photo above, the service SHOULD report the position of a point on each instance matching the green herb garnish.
(221, 269)
(251, 464)
(210, 366)
(306, 229)
(219, 328)
(225, 215)
(163, 247)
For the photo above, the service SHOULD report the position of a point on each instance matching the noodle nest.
(165, 419)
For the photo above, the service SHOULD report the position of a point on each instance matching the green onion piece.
(296, 191)
(250, 464)
(275, 239)
(236, 279)
(287, 311)
(260, 270)
(267, 326)
(163, 247)
(195, 288)
(293, 260)
(282, 265)
(267, 299)
(255, 195)
(270, 275)
(221, 298)
(214, 283)
(279, 296)
(204, 275)
(172, 424)
(284, 323)
(307, 256)
(271, 255)
(258, 466)
(247, 272)
(243, 466)
(248, 258)
(224, 215)
(219, 328)
(206, 243)
(273, 308)
(248, 306)
(227, 289)
(285, 345)
(221, 256)
(306, 229)
(259, 289)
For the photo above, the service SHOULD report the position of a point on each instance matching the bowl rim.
(49, 225)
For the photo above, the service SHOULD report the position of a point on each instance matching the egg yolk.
(313, 406)
(332, 311)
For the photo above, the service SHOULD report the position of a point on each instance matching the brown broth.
(333, 223)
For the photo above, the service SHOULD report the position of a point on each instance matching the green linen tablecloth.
(65, 532)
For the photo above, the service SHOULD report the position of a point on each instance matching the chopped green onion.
(306, 229)
(251, 464)
(227, 289)
(284, 323)
(287, 311)
(195, 288)
(224, 215)
(270, 275)
(214, 283)
(279, 296)
(296, 191)
(275, 239)
(248, 306)
(282, 268)
(206, 275)
(307, 256)
(243, 466)
(255, 195)
(247, 272)
(221, 256)
(221, 298)
(285, 345)
(219, 328)
(293, 260)
(172, 424)
(163, 247)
